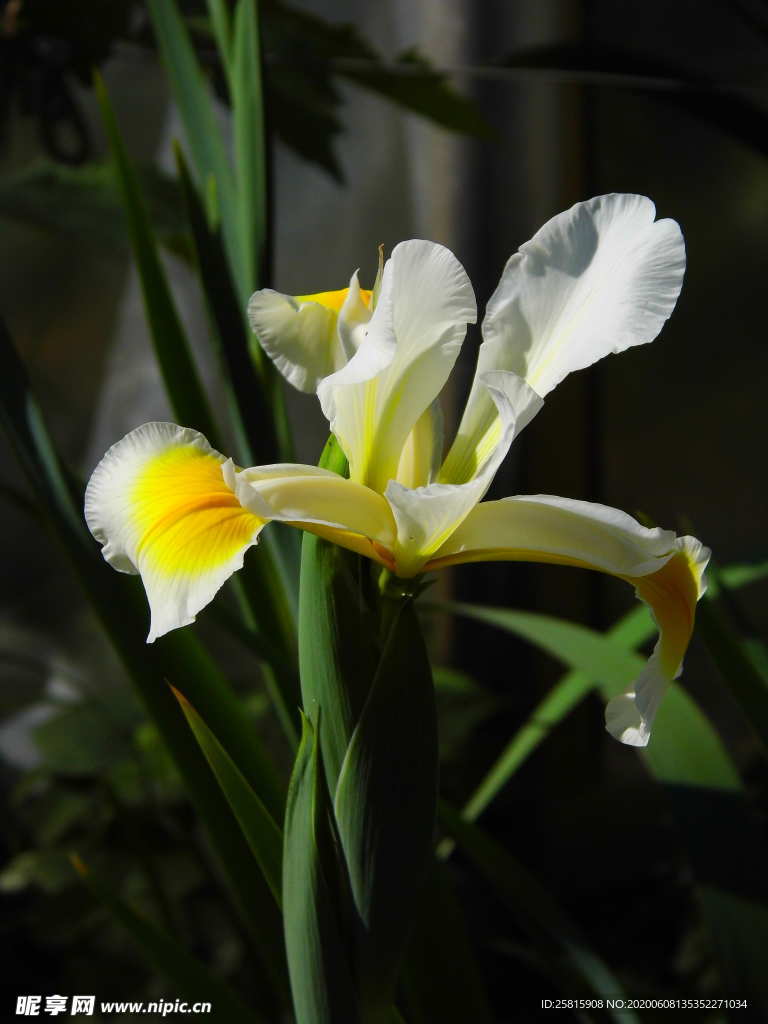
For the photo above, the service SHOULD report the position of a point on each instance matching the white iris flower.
(599, 278)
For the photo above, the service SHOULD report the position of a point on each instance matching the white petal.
(543, 527)
(309, 497)
(599, 278)
(671, 595)
(159, 505)
(629, 717)
(667, 573)
(309, 336)
(410, 346)
(482, 426)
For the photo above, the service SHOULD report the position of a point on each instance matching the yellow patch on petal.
(333, 301)
(187, 519)
(671, 593)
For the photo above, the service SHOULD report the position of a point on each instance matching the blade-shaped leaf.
(634, 629)
(173, 354)
(250, 162)
(258, 826)
(688, 757)
(385, 801)
(321, 979)
(250, 412)
(194, 100)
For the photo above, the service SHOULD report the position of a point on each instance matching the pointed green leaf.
(250, 161)
(193, 98)
(688, 757)
(634, 629)
(173, 354)
(258, 826)
(385, 801)
(321, 979)
(249, 409)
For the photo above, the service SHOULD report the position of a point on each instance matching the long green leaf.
(632, 630)
(258, 826)
(170, 959)
(321, 979)
(574, 963)
(385, 801)
(250, 414)
(201, 127)
(250, 160)
(268, 583)
(174, 357)
(689, 759)
(337, 637)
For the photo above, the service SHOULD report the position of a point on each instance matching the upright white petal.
(598, 278)
(409, 348)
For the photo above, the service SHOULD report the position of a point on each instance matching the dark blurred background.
(580, 98)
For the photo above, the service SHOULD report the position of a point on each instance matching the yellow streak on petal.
(333, 301)
(671, 593)
(187, 519)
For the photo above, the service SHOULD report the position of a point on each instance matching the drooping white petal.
(671, 594)
(427, 515)
(159, 505)
(598, 278)
(666, 572)
(409, 348)
(308, 337)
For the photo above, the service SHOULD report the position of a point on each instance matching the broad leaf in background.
(634, 629)
(703, 786)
